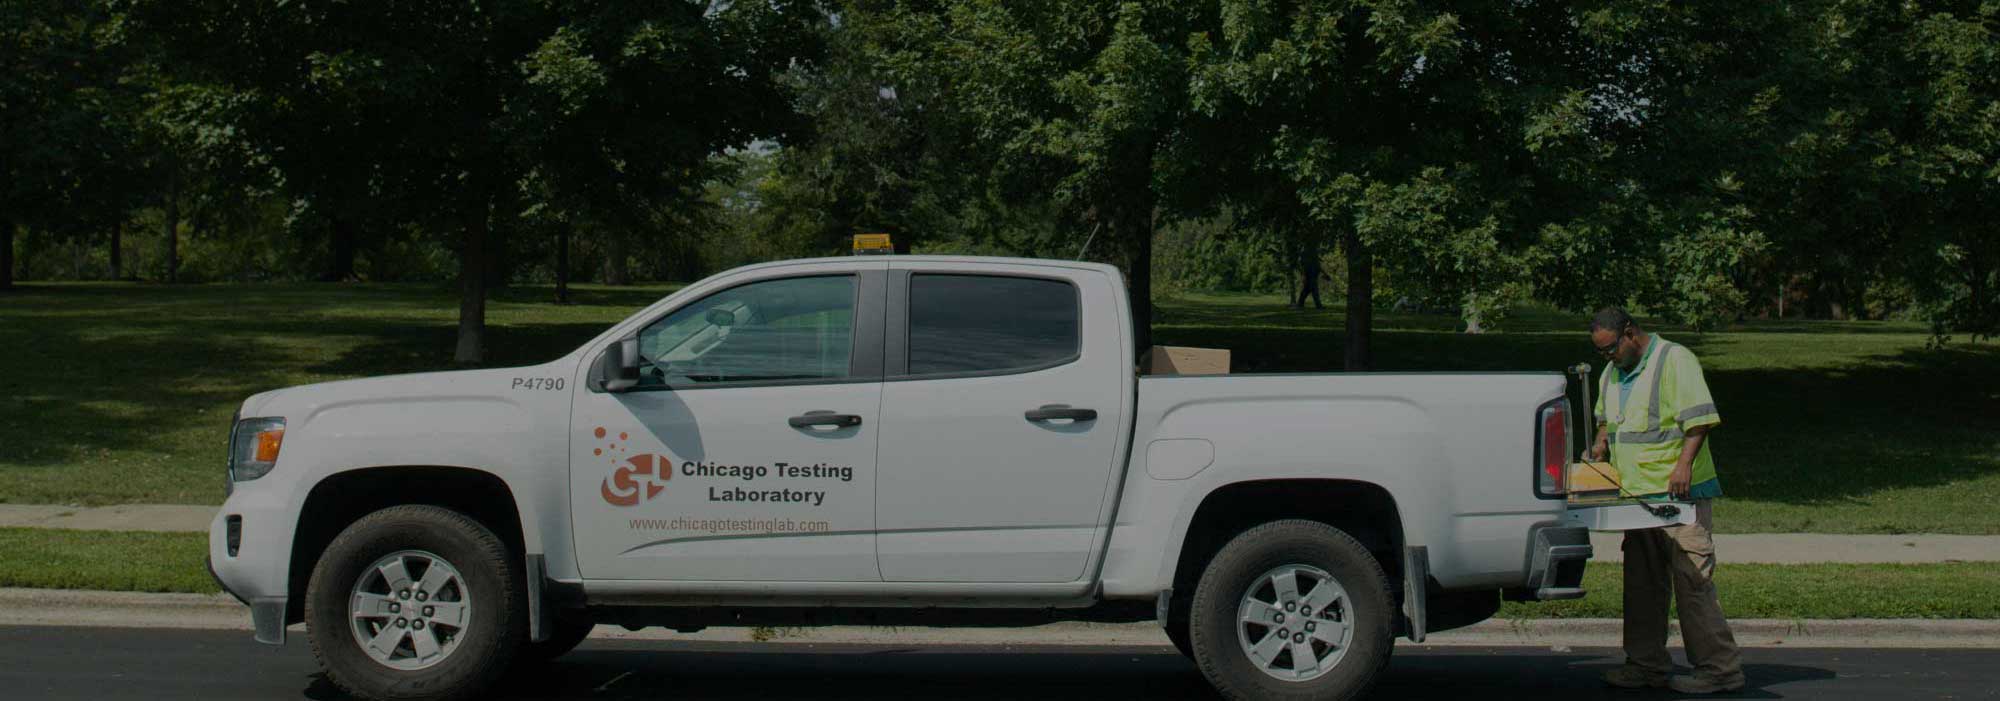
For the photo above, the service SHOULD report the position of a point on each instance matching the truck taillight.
(1552, 449)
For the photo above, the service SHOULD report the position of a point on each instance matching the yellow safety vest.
(1646, 428)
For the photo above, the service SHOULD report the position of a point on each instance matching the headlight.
(253, 447)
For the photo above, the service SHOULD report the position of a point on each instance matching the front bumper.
(267, 614)
(257, 570)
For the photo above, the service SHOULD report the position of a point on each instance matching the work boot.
(1635, 677)
(1698, 684)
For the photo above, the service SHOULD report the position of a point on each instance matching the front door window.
(787, 330)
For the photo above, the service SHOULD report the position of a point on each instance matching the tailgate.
(1596, 503)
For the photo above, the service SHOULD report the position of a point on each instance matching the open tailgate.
(1594, 503)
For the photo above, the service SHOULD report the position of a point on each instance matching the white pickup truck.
(897, 441)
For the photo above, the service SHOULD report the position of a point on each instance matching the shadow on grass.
(93, 370)
(1914, 418)
(414, 349)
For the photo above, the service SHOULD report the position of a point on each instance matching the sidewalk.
(163, 518)
(1769, 548)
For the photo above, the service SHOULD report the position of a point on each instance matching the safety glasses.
(1610, 349)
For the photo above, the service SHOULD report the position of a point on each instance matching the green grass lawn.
(110, 560)
(120, 392)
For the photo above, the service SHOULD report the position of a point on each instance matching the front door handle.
(824, 418)
(1053, 412)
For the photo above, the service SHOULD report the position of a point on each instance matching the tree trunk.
(1140, 226)
(173, 244)
(118, 251)
(472, 286)
(172, 227)
(617, 269)
(342, 233)
(6, 255)
(1360, 305)
(1298, 298)
(562, 264)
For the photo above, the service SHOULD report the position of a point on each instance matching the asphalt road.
(119, 663)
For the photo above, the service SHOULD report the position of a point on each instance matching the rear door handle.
(824, 418)
(1053, 412)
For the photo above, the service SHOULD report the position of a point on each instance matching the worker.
(1654, 416)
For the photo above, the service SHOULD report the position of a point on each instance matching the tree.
(1396, 126)
(1890, 161)
(1074, 103)
(612, 106)
(61, 157)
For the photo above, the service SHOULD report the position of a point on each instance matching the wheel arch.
(344, 497)
(1365, 510)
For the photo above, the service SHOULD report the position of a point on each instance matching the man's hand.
(1678, 480)
(1600, 450)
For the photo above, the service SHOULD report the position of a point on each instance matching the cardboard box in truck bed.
(1180, 360)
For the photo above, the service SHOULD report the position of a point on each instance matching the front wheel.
(1292, 610)
(415, 603)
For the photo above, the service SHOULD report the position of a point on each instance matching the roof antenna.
(1087, 240)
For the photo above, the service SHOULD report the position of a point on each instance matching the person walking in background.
(1309, 264)
(1654, 415)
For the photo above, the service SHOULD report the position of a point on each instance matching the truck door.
(1001, 416)
(747, 451)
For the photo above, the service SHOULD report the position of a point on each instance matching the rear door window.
(962, 324)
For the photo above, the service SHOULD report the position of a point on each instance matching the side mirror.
(618, 368)
(721, 317)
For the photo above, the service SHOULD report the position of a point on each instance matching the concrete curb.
(64, 607)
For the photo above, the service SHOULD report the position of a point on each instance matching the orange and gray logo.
(638, 478)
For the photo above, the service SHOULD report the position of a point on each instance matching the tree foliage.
(1702, 162)
(464, 117)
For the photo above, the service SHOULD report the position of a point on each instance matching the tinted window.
(977, 323)
(787, 329)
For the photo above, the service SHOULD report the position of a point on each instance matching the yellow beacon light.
(873, 245)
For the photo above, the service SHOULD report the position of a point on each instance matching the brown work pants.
(1677, 562)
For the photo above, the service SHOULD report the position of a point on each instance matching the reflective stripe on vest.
(1649, 377)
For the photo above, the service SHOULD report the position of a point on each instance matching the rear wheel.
(1292, 610)
(415, 602)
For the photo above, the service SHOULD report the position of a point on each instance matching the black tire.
(568, 634)
(1241, 564)
(493, 581)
